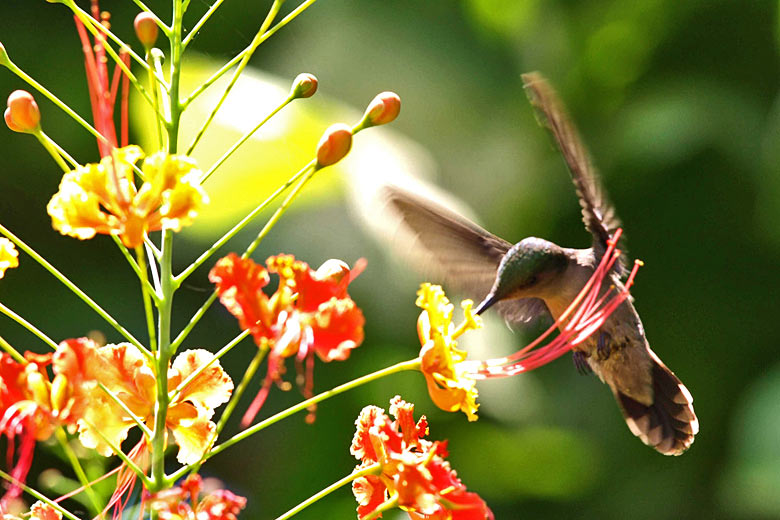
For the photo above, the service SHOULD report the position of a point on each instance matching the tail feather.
(669, 424)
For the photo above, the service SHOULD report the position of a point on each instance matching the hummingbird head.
(525, 270)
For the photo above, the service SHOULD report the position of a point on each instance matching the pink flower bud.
(146, 29)
(334, 144)
(384, 108)
(305, 85)
(22, 114)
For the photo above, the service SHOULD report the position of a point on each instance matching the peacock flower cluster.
(9, 256)
(412, 473)
(186, 503)
(310, 312)
(38, 511)
(25, 412)
(129, 376)
(450, 385)
(103, 197)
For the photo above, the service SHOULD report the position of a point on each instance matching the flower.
(304, 86)
(25, 412)
(9, 256)
(412, 472)
(38, 511)
(129, 375)
(310, 312)
(184, 502)
(102, 198)
(450, 386)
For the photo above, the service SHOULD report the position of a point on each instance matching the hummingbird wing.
(448, 246)
(598, 214)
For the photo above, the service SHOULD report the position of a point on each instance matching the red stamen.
(589, 311)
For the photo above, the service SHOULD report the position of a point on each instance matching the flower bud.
(334, 144)
(384, 108)
(146, 29)
(22, 114)
(304, 85)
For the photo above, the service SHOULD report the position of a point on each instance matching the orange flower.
(25, 412)
(38, 511)
(450, 385)
(185, 502)
(102, 198)
(413, 474)
(130, 377)
(309, 313)
(9, 256)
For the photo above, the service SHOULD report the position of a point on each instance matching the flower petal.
(193, 437)
(211, 387)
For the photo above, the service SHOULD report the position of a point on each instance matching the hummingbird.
(535, 278)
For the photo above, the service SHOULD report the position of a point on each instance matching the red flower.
(413, 474)
(25, 413)
(309, 313)
(185, 503)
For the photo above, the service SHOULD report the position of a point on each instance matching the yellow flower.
(9, 256)
(130, 376)
(450, 385)
(102, 198)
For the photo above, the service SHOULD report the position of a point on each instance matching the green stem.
(243, 139)
(162, 359)
(200, 23)
(279, 211)
(412, 364)
(45, 142)
(134, 266)
(75, 289)
(60, 151)
(54, 99)
(158, 123)
(176, 343)
(94, 25)
(244, 61)
(146, 294)
(234, 399)
(94, 501)
(40, 496)
(27, 325)
(238, 57)
(243, 223)
(12, 351)
(373, 469)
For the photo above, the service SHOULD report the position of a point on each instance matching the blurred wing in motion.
(598, 214)
(452, 249)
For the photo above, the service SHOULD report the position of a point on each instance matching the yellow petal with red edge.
(107, 418)
(41, 511)
(210, 388)
(193, 437)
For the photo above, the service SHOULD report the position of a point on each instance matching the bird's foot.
(603, 349)
(581, 362)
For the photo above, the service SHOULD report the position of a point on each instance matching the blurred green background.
(678, 102)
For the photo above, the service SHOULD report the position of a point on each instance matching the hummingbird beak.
(488, 302)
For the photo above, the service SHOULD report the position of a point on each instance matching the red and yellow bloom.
(310, 312)
(129, 375)
(412, 474)
(103, 198)
(185, 502)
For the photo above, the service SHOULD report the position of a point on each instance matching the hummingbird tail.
(669, 424)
